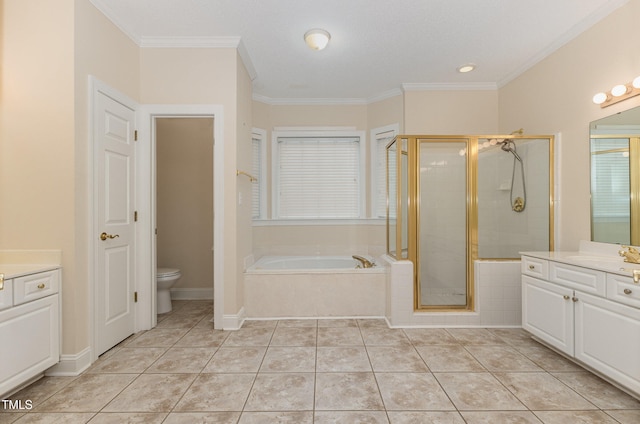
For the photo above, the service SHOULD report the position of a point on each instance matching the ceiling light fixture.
(466, 68)
(317, 39)
(618, 93)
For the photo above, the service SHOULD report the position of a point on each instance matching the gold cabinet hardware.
(566, 297)
(575, 299)
(532, 267)
(1, 281)
(41, 286)
(627, 291)
(105, 236)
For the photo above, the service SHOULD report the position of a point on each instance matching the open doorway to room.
(206, 123)
(184, 209)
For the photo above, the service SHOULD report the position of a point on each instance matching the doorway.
(184, 202)
(146, 200)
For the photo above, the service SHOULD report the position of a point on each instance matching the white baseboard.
(192, 294)
(234, 322)
(71, 365)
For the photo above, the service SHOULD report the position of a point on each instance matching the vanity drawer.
(579, 278)
(535, 267)
(6, 294)
(35, 286)
(622, 289)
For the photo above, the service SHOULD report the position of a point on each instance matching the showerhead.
(510, 146)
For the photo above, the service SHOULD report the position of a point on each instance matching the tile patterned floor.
(324, 371)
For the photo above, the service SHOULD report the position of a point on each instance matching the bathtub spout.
(364, 261)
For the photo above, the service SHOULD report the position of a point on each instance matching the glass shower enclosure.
(453, 200)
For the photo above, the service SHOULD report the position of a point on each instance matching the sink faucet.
(630, 255)
(364, 261)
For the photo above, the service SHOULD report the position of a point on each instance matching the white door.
(114, 236)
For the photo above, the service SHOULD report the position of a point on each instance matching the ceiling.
(377, 47)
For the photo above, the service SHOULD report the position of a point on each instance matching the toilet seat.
(167, 272)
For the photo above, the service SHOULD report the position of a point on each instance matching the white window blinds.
(256, 156)
(610, 191)
(318, 177)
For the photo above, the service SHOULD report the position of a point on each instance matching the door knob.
(105, 236)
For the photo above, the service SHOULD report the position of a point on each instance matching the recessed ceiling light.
(466, 68)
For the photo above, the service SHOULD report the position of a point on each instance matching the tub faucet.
(364, 261)
(630, 255)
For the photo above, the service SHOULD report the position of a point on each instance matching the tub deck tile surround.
(323, 371)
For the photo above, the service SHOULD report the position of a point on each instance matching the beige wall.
(451, 112)
(48, 51)
(203, 76)
(244, 235)
(184, 202)
(555, 97)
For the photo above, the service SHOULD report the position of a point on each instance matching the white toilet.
(165, 279)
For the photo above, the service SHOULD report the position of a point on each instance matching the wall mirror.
(615, 178)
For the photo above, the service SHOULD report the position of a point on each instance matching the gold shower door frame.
(412, 206)
(471, 224)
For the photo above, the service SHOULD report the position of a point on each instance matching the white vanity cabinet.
(592, 315)
(29, 327)
(547, 313)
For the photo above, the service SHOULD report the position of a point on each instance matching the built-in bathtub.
(313, 286)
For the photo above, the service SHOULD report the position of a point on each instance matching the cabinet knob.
(532, 267)
(575, 299)
(627, 291)
(566, 297)
(41, 286)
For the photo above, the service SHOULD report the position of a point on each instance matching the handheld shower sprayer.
(519, 203)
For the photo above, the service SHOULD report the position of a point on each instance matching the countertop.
(594, 260)
(18, 263)
(18, 270)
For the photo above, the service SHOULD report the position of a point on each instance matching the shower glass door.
(443, 187)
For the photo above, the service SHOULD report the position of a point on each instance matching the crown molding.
(327, 101)
(474, 86)
(572, 33)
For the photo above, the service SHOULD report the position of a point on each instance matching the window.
(259, 159)
(318, 175)
(380, 137)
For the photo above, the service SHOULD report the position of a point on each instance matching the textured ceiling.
(376, 47)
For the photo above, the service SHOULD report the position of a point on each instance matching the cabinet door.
(29, 341)
(547, 313)
(608, 338)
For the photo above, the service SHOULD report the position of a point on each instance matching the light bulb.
(619, 90)
(600, 98)
(636, 82)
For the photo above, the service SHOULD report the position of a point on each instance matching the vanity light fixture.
(317, 39)
(618, 93)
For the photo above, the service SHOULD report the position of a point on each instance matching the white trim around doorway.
(146, 196)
